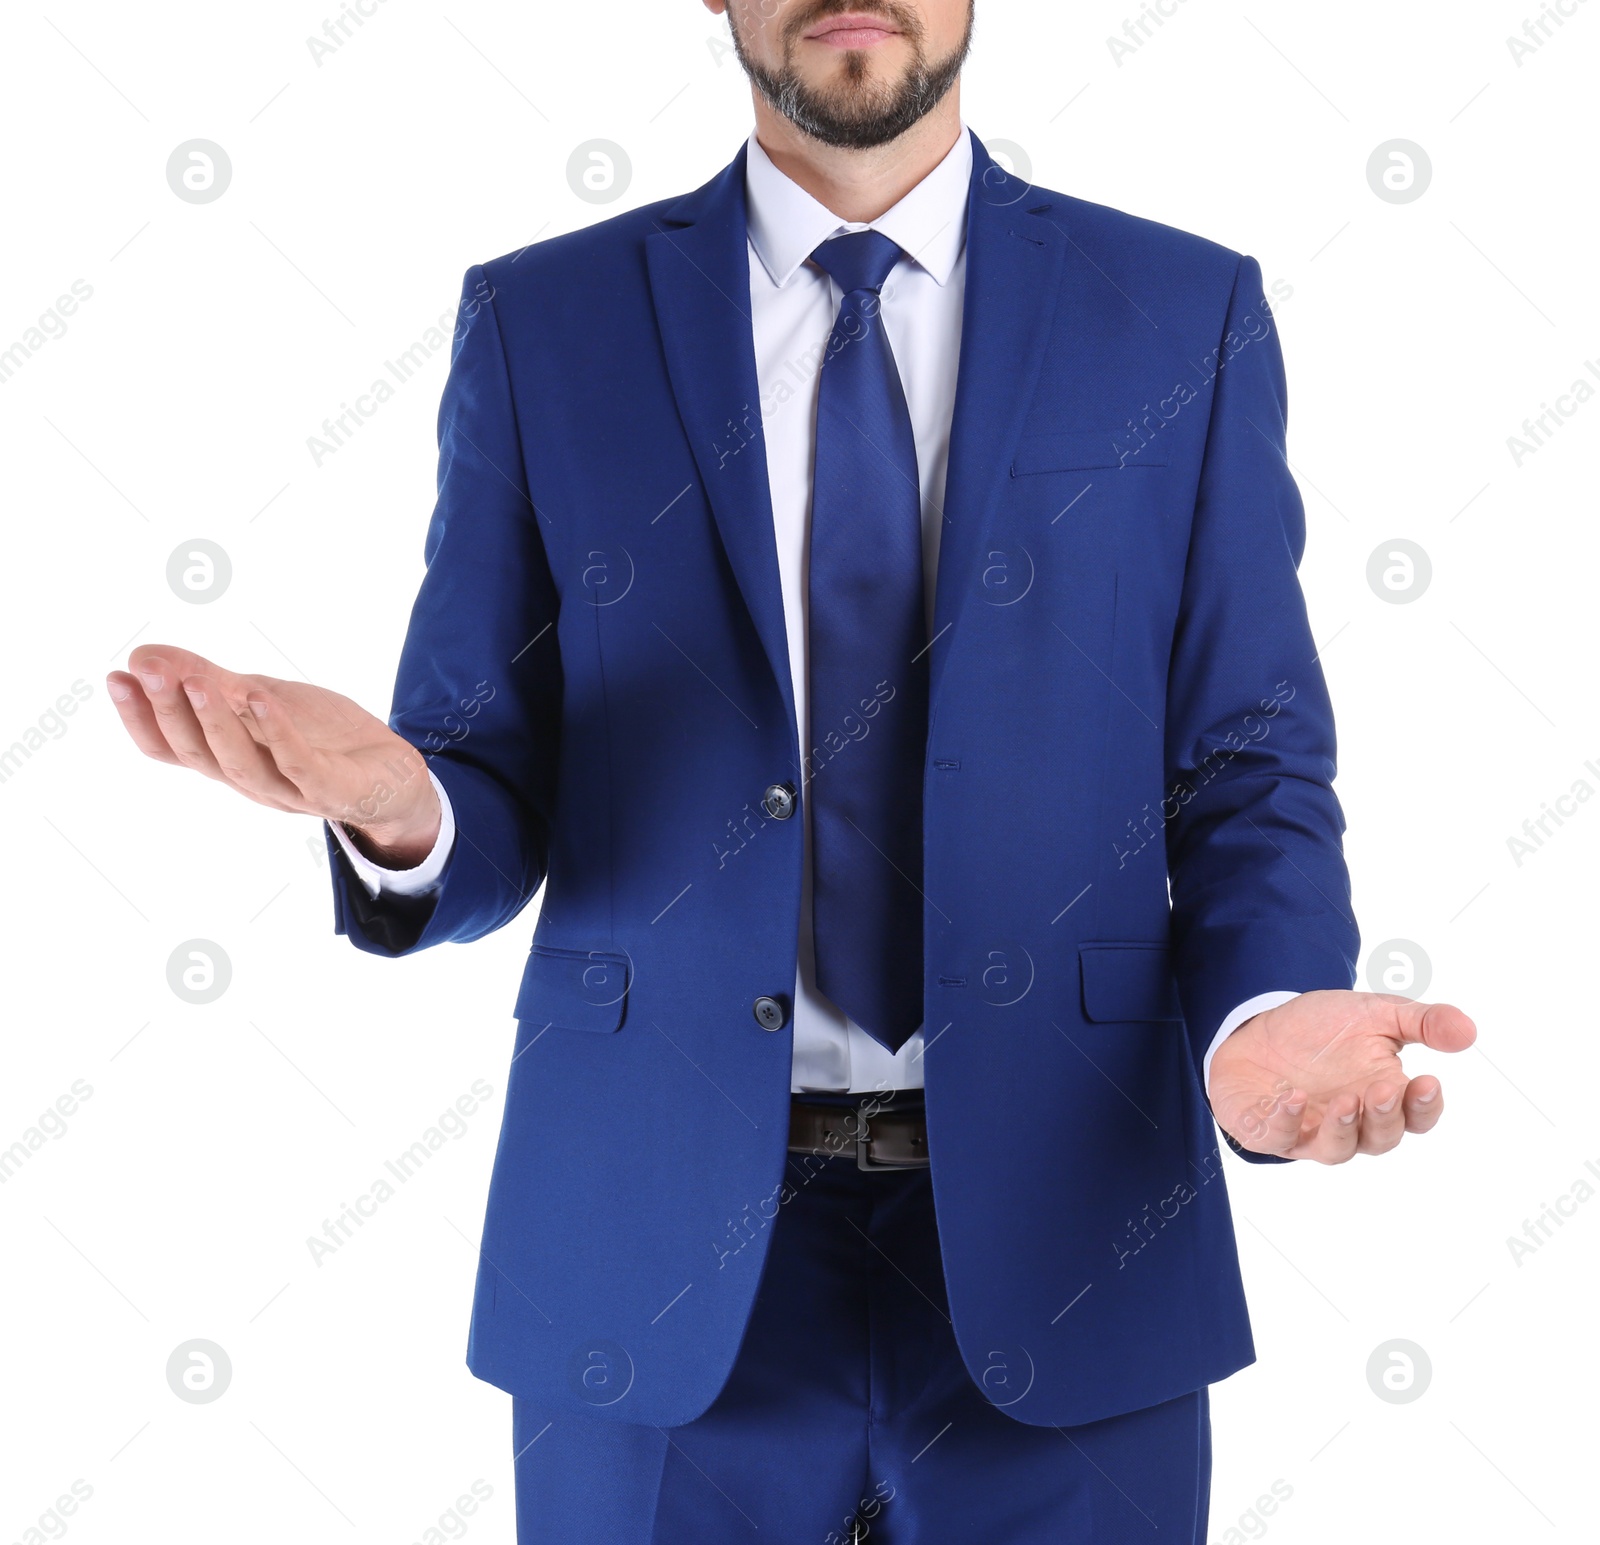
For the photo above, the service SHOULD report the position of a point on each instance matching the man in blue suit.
(863, 593)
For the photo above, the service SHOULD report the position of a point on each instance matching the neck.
(860, 185)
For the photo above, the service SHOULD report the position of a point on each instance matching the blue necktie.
(867, 663)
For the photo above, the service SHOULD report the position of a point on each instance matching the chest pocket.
(1085, 450)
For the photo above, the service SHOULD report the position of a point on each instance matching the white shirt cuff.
(1246, 1010)
(404, 882)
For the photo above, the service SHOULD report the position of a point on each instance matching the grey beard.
(816, 114)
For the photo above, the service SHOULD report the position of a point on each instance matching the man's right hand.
(286, 744)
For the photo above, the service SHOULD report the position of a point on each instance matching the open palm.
(287, 744)
(1320, 1076)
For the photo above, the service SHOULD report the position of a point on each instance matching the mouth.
(854, 30)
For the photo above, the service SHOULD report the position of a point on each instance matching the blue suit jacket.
(1125, 694)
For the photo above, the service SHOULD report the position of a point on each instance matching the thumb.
(1440, 1026)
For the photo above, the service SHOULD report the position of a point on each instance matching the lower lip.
(853, 37)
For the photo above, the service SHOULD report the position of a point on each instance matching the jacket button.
(770, 1013)
(778, 801)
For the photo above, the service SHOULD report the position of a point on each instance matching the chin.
(857, 81)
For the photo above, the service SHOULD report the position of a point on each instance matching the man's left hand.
(1320, 1077)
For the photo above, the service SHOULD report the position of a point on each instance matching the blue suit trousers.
(850, 1415)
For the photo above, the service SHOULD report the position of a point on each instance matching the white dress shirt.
(793, 304)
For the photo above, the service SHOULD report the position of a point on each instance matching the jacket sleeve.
(478, 690)
(1260, 892)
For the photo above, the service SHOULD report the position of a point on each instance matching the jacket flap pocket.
(1131, 982)
(1084, 451)
(574, 989)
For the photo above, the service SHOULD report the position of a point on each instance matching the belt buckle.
(864, 1161)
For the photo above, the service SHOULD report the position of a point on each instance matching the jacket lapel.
(699, 266)
(1014, 264)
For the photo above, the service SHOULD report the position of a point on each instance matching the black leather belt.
(877, 1135)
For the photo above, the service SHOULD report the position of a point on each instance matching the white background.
(178, 1201)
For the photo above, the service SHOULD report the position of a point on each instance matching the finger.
(175, 663)
(1424, 1103)
(1441, 1026)
(137, 716)
(1383, 1119)
(1271, 1124)
(1334, 1141)
(245, 764)
(173, 716)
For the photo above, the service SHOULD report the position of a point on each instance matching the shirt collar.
(929, 224)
